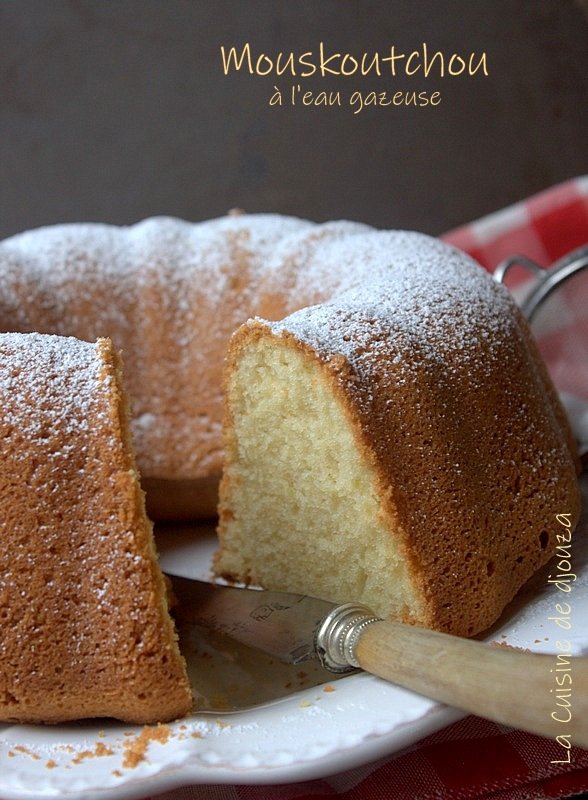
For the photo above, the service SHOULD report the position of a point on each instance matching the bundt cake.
(400, 445)
(169, 294)
(396, 441)
(85, 629)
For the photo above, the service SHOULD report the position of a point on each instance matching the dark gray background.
(114, 110)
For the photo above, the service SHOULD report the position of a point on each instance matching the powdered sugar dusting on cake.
(49, 387)
(410, 292)
(151, 288)
(170, 293)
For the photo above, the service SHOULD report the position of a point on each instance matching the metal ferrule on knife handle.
(338, 634)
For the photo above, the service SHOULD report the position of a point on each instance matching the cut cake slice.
(400, 446)
(85, 629)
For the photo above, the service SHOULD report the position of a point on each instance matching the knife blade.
(491, 682)
(277, 623)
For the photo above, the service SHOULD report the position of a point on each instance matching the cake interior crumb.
(136, 747)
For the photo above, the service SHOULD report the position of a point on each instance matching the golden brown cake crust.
(451, 405)
(85, 628)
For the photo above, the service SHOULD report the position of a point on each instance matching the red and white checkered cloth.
(543, 228)
(473, 759)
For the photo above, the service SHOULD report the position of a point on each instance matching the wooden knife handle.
(544, 694)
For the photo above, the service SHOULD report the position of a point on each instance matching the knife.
(512, 687)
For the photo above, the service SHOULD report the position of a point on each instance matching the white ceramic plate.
(308, 725)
